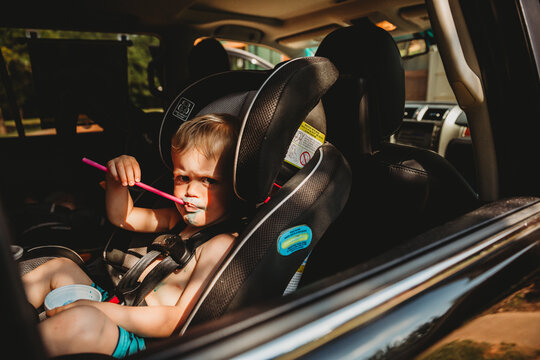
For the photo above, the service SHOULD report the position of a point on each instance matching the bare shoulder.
(224, 239)
(218, 246)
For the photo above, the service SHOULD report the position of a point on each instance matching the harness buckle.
(173, 246)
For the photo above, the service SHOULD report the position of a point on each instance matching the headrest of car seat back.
(228, 92)
(272, 105)
(206, 58)
(288, 96)
(368, 54)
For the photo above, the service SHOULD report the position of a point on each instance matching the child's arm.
(146, 321)
(123, 171)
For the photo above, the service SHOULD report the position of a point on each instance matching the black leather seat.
(398, 191)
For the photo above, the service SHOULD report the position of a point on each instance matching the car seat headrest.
(230, 92)
(207, 57)
(280, 106)
(371, 83)
(271, 104)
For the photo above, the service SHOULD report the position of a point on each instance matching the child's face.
(199, 181)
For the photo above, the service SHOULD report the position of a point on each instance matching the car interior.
(371, 130)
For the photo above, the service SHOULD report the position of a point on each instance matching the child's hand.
(59, 309)
(125, 169)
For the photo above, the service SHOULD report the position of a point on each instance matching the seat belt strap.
(130, 278)
(178, 253)
(154, 277)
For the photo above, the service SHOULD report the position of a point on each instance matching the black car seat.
(207, 57)
(261, 266)
(398, 191)
(280, 231)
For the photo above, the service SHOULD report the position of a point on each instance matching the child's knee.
(79, 329)
(98, 333)
(93, 326)
(66, 272)
(62, 263)
(47, 270)
(78, 321)
(59, 264)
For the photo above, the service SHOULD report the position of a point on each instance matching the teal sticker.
(294, 239)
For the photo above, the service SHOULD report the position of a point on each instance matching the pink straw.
(139, 184)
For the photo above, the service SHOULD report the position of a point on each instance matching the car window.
(245, 56)
(31, 56)
(425, 78)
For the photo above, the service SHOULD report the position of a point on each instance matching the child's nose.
(192, 189)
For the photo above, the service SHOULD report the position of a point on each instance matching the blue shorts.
(128, 342)
(104, 294)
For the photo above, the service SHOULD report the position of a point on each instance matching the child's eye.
(209, 181)
(180, 179)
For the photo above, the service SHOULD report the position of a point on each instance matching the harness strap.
(154, 277)
(177, 254)
(204, 235)
(130, 278)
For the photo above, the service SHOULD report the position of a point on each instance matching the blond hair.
(211, 134)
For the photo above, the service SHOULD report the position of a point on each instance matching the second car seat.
(207, 57)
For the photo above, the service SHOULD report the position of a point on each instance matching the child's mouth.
(193, 204)
(191, 208)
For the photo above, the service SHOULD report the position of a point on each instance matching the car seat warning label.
(304, 144)
(294, 239)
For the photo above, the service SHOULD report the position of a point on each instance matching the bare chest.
(170, 289)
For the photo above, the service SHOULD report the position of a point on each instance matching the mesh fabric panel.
(230, 104)
(253, 169)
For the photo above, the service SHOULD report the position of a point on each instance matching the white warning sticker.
(304, 144)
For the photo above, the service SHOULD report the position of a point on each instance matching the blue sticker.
(294, 239)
